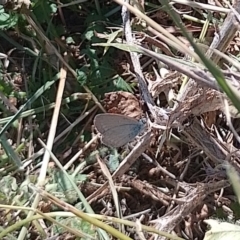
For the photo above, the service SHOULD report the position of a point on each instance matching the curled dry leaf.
(123, 103)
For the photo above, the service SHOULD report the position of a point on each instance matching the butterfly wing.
(106, 121)
(121, 135)
(117, 130)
